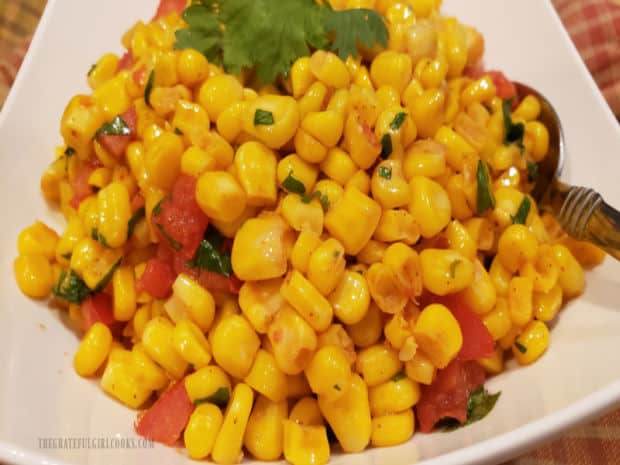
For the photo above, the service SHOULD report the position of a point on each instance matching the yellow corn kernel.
(140, 318)
(205, 382)
(308, 147)
(329, 69)
(456, 188)
(163, 160)
(393, 396)
(353, 220)
(397, 330)
(123, 285)
(373, 252)
(385, 288)
(294, 166)
(445, 271)
(498, 321)
(545, 270)
(145, 370)
(420, 368)
(427, 111)
(191, 343)
(157, 339)
(587, 254)
(307, 241)
(351, 298)
(266, 378)
(259, 250)
(517, 245)
(119, 381)
(392, 429)
(284, 113)
(256, 171)
(531, 343)
(301, 214)
(456, 146)
(397, 225)
(218, 93)
(338, 166)
(405, 262)
(339, 101)
(301, 76)
(307, 300)
(293, 341)
(520, 300)
(528, 109)
(220, 196)
(547, 304)
(481, 295)
(298, 386)
(229, 441)
(259, 302)
(459, 239)
(103, 70)
(112, 97)
(482, 232)
(388, 97)
(305, 444)
(431, 72)
(38, 239)
(507, 202)
(192, 67)
(392, 69)
(337, 336)
(478, 91)
(306, 412)
(313, 99)
(325, 126)
(331, 192)
(265, 431)
(329, 372)
(438, 334)
(349, 415)
(114, 213)
(235, 344)
(430, 205)
(500, 276)
(538, 134)
(377, 364)
(369, 329)
(389, 186)
(79, 123)
(201, 430)
(92, 262)
(425, 158)
(326, 266)
(191, 119)
(190, 301)
(34, 275)
(196, 161)
(494, 364)
(360, 141)
(230, 121)
(74, 232)
(93, 350)
(572, 279)
(52, 178)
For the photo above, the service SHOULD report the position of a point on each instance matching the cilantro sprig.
(513, 132)
(270, 35)
(211, 256)
(479, 404)
(485, 200)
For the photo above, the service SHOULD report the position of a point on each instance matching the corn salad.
(284, 266)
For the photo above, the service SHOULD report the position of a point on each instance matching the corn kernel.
(93, 350)
(438, 334)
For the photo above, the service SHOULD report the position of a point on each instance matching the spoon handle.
(585, 216)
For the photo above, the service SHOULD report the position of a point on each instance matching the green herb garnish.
(116, 127)
(219, 398)
(92, 68)
(157, 207)
(532, 171)
(523, 211)
(520, 347)
(398, 121)
(263, 117)
(108, 276)
(479, 404)
(174, 244)
(178, 132)
(67, 256)
(69, 151)
(149, 88)
(71, 287)
(485, 199)
(385, 172)
(211, 256)
(96, 235)
(294, 185)
(307, 198)
(398, 376)
(513, 133)
(133, 221)
(453, 267)
(386, 146)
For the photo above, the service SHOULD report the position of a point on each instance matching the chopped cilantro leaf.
(133, 221)
(385, 172)
(386, 146)
(157, 207)
(520, 347)
(263, 117)
(149, 88)
(67, 256)
(513, 133)
(294, 185)
(92, 68)
(108, 276)
(453, 267)
(532, 171)
(307, 198)
(116, 127)
(219, 398)
(174, 244)
(398, 121)
(96, 235)
(71, 287)
(398, 376)
(485, 199)
(211, 256)
(523, 211)
(178, 132)
(479, 404)
(69, 151)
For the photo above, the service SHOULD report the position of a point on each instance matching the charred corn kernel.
(445, 271)
(369, 329)
(196, 161)
(324, 126)
(218, 93)
(163, 160)
(205, 382)
(516, 246)
(425, 158)
(360, 141)
(329, 372)
(103, 70)
(377, 364)
(192, 67)
(520, 300)
(191, 301)
(571, 279)
(308, 147)
(372, 252)
(500, 276)
(531, 343)
(307, 300)
(349, 415)
(123, 285)
(301, 76)
(389, 186)
(427, 111)
(397, 225)
(406, 265)
(114, 213)
(119, 381)
(392, 69)
(220, 196)
(305, 444)
(430, 205)
(38, 239)
(300, 214)
(353, 220)
(256, 171)
(385, 289)
(392, 429)
(306, 412)
(80, 121)
(259, 250)
(34, 275)
(538, 133)
(112, 97)
(285, 114)
(420, 369)
(304, 172)
(191, 344)
(259, 302)
(293, 341)
(266, 378)
(438, 334)
(306, 243)
(481, 295)
(265, 431)
(329, 69)
(478, 91)
(351, 298)
(158, 342)
(326, 266)
(201, 430)
(547, 304)
(338, 166)
(459, 239)
(93, 350)
(227, 447)
(498, 320)
(234, 345)
(393, 396)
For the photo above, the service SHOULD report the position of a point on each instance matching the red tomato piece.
(447, 396)
(505, 87)
(165, 420)
(97, 309)
(126, 61)
(182, 219)
(169, 6)
(220, 283)
(157, 278)
(139, 76)
(116, 145)
(81, 188)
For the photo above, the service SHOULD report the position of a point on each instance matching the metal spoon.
(581, 211)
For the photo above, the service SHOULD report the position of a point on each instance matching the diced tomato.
(169, 6)
(126, 61)
(220, 283)
(139, 76)
(81, 188)
(505, 87)
(97, 309)
(447, 396)
(116, 145)
(477, 341)
(181, 218)
(157, 278)
(165, 420)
